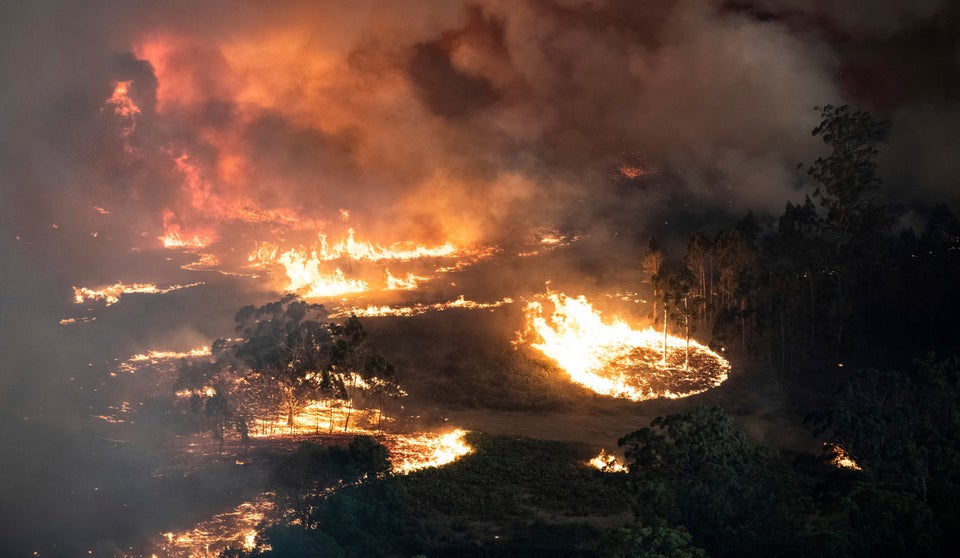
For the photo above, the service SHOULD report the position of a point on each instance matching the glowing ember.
(81, 320)
(206, 391)
(841, 458)
(631, 171)
(614, 359)
(410, 453)
(607, 463)
(236, 528)
(417, 309)
(111, 294)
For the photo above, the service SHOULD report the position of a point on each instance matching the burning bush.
(287, 359)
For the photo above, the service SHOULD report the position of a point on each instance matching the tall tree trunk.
(380, 413)
(346, 421)
(686, 323)
(743, 324)
(664, 332)
(813, 312)
(655, 295)
(353, 392)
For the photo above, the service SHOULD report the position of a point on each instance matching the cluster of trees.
(695, 472)
(286, 357)
(831, 277)
(511, 497)
(696, 487)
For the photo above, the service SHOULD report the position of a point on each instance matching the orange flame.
(408, 283)
(351, 248)
(125, 108)
(614, 359)
(607, 463)
(311, 272)
(236, 527)
(174, 236)
(411, 453)
(111, 294)
(631, 171)
(417, 309)
(842, 459)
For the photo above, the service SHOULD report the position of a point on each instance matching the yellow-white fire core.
(612, 358)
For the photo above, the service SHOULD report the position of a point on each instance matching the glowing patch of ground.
(611, 358)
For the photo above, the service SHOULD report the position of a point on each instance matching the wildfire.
(307, 281)
(614, 359)
(126, 109)
(842, 459)
(631, 171)
(81, 320)
(408, 283)
(111, 294)
(204, 262)
(174, 236)
(607, 463)
(206, 391)
(417, 309)
(411, 453)
(154, 356)
(317, 271)
(236, 528)
(316, 417)
(353, 249)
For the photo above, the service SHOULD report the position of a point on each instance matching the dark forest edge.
(831, 290)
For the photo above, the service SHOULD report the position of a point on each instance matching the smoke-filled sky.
(448, 119)
(435, 122)
(463, 122)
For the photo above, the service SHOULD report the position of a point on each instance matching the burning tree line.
(287, 357)
(830, 277)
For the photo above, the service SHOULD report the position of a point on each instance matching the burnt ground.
(464, 368)
(100, 485)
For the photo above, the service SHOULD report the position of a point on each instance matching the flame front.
(412, 452)
(417, 309)
(317, 271)
(615, 359)
(111, 294)
(236, 528)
